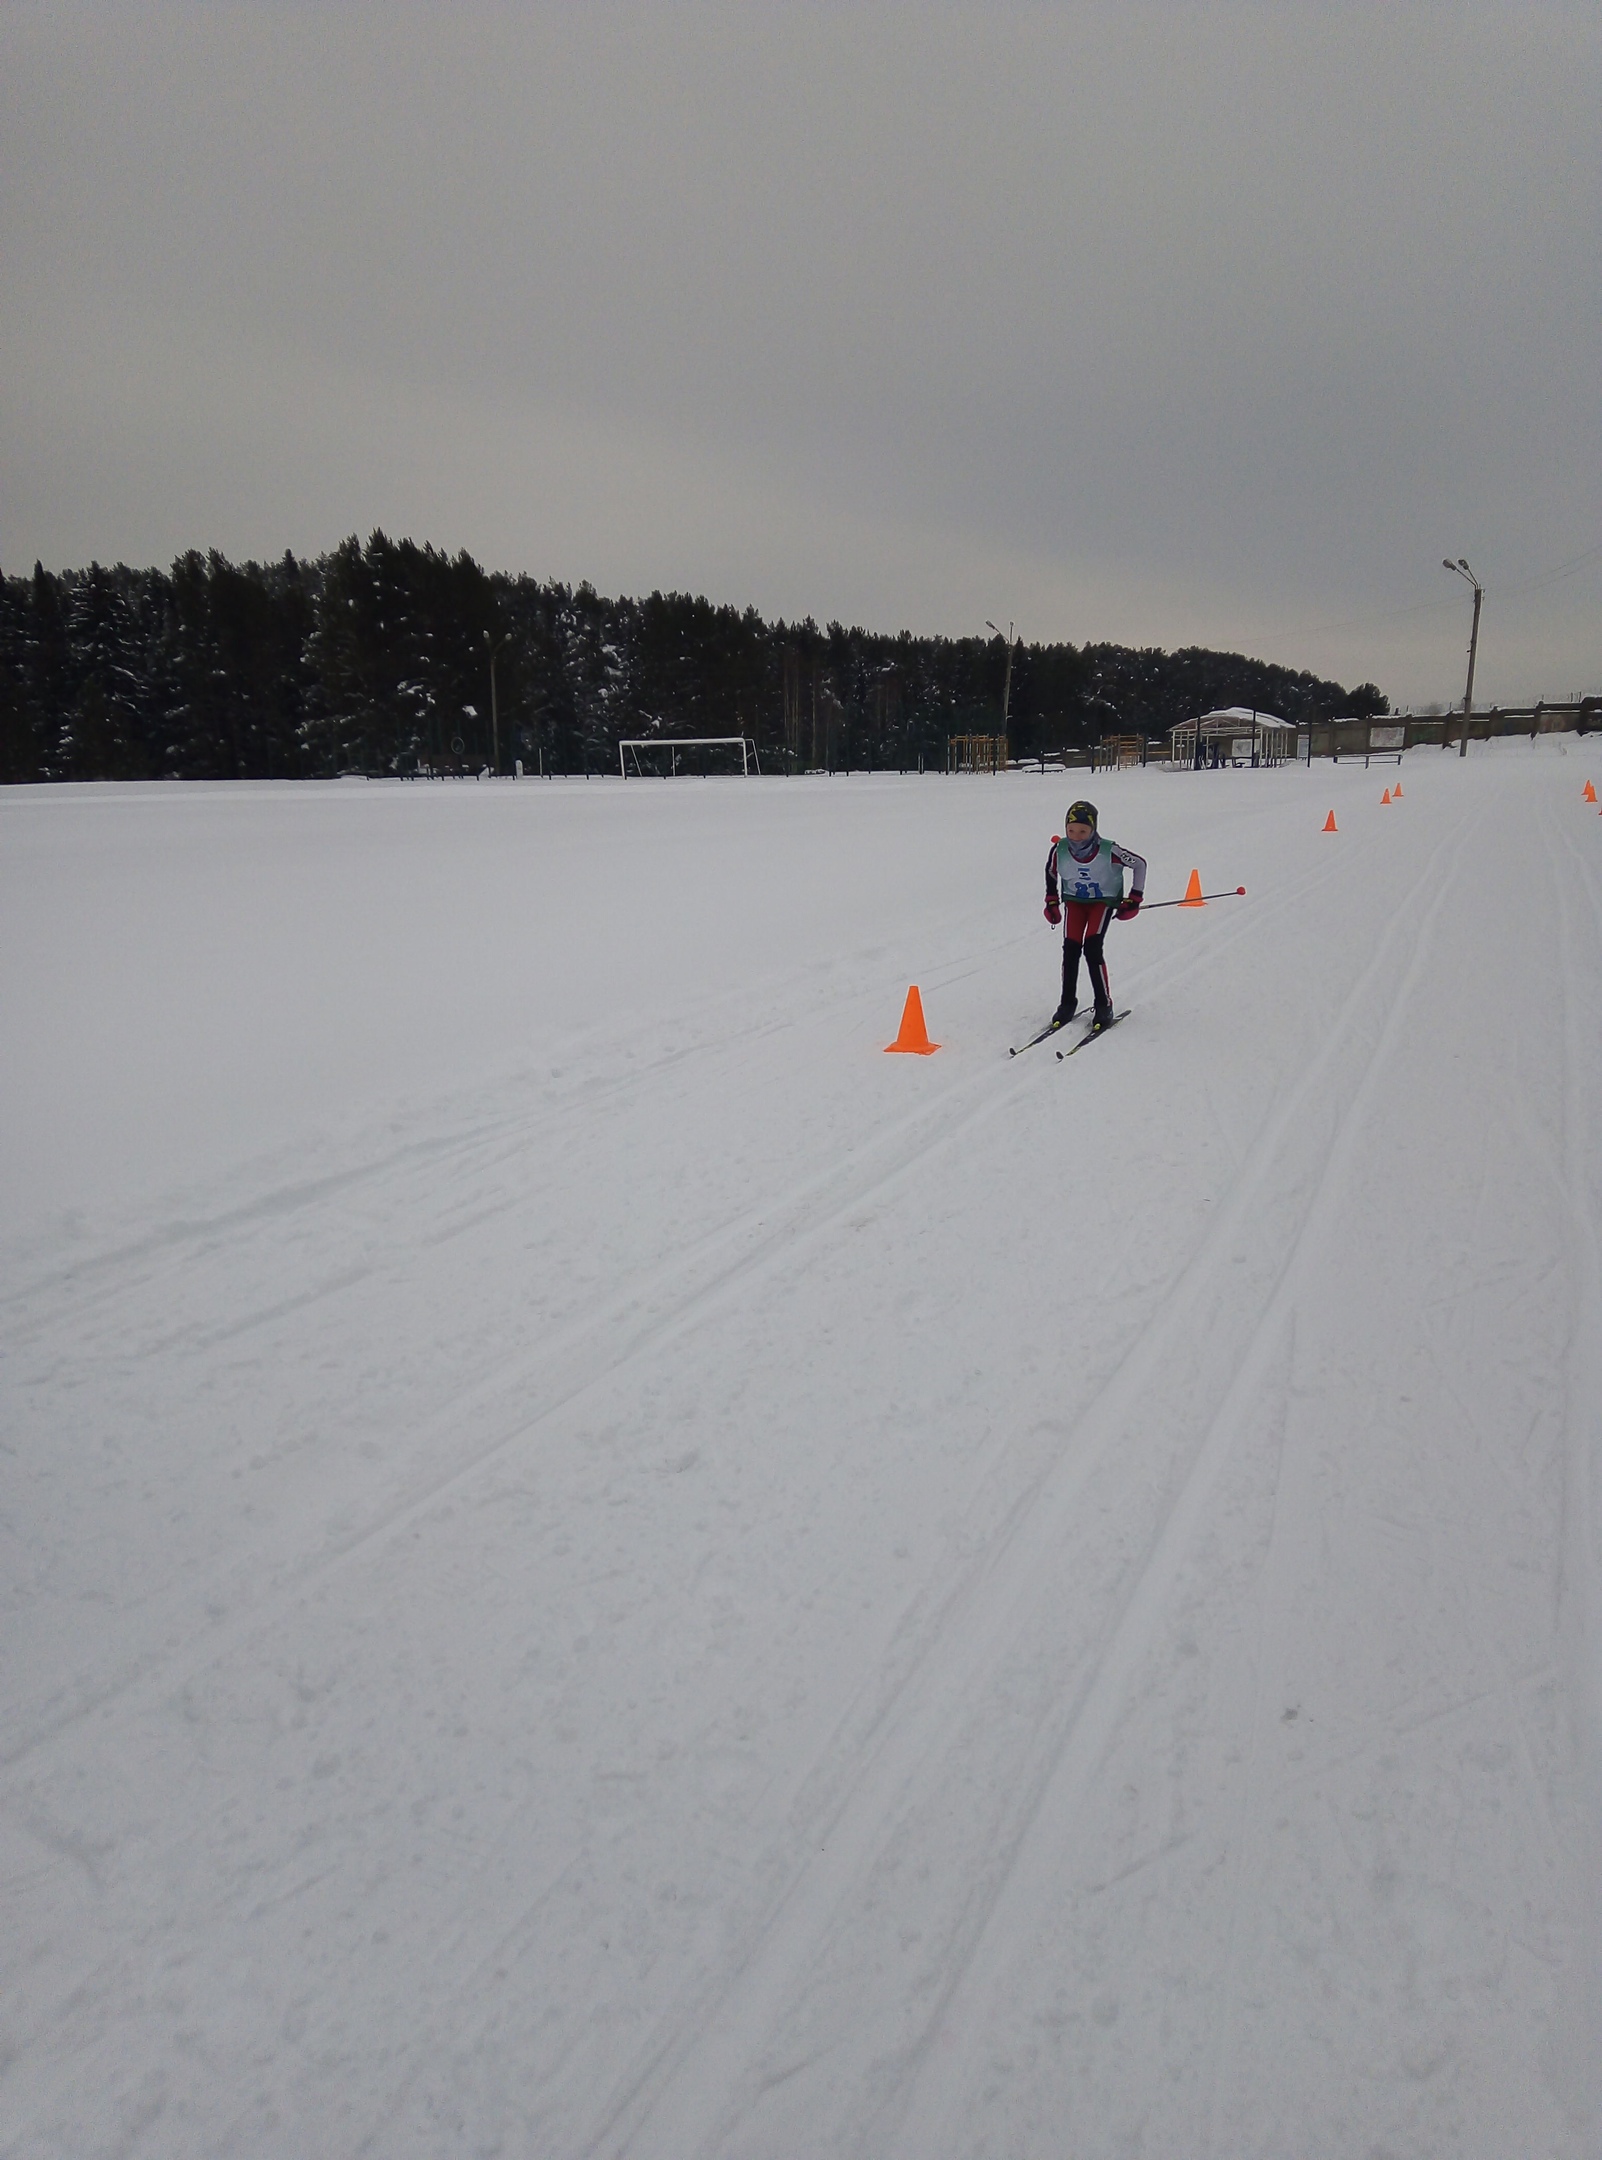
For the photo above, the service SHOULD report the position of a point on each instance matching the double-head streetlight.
(1462, 570)
(1006, 681)
(496, 647)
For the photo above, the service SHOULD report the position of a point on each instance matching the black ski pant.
(1083, 930)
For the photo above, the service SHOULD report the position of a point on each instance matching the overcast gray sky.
(1169, 324)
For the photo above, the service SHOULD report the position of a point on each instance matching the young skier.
(1085, 886)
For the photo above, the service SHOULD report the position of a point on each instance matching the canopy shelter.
(1233, 735)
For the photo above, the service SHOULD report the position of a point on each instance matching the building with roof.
(1233, 735)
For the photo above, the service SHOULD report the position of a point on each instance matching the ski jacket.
(1101, 877)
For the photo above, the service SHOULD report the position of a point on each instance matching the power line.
(1551, 577)
(1438, 607)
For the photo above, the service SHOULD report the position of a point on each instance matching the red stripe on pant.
(1084, 923)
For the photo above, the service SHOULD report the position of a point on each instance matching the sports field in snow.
(593, 1567)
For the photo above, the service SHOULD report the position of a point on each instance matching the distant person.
(1085, 886)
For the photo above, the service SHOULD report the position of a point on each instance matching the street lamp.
(1006, 681)
(496, 648)
(1462, 570)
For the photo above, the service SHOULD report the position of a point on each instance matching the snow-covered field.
(594, 1567)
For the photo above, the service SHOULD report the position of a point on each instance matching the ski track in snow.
(1199, 1755)
(1576, 1176)
(960, 1659)
(678, 1293)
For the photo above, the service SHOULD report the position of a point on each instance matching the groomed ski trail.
(1196, 1748)
(163, 1272)
(725, 2069)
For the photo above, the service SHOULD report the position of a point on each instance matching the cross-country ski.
(1095, 1032)
(1051, 1027)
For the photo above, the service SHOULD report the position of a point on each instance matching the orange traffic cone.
(1590, 791)
(1385, 800)
(1330, 824)
(1193, 892)
(1396, 792)
(914, 1035)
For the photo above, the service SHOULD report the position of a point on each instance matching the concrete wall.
(1350, 738)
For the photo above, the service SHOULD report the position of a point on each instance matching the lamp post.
(496, 648)
(1006, 680)
(1462, 570)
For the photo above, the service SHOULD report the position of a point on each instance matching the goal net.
(668, 755)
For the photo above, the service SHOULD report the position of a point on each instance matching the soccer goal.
(666, 751)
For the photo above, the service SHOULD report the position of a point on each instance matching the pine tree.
(374, 659)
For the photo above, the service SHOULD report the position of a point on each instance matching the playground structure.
(1118, 753)
(976, 753)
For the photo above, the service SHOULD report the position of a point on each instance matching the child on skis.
(1085, 886)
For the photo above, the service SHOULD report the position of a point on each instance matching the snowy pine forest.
(375, 659)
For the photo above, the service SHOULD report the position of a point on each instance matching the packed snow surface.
(593, 1567)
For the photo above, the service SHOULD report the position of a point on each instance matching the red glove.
(1130, 908)
(1053, 912)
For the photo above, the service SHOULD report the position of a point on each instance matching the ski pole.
(1146, 906)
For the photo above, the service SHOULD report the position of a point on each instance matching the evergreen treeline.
(375, 659)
